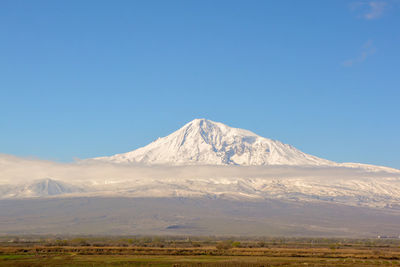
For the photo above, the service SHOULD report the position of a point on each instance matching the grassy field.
(162, 252)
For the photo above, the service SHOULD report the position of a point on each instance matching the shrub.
(224, 245)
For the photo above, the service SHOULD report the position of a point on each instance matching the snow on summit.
(205, 142)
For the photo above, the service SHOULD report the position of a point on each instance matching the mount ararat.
(207, 159)
(205, 142)
(207, 174)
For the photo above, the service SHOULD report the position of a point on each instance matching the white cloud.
(376, 10)
(15, 170)
(367, 50)
(370, 10)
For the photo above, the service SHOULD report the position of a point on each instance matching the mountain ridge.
(205, 142)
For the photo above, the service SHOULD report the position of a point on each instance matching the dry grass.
(202, 256)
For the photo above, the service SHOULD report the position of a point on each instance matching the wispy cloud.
(376, 10)
(370, 9)
(367, 50)
(15, 170)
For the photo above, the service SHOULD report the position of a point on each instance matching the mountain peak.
(199, 121)
(208, 127)
(200, 124)
(203, 124)
(205, 142)
(41, 188)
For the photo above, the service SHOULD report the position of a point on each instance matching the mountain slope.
(39, 188)
(205, 142)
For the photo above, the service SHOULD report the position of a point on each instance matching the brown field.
(208, 252)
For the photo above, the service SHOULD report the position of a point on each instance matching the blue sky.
(80, 79)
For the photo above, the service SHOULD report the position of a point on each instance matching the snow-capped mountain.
(207, 159)
(203, 162)
(39, 188)
(204, 142)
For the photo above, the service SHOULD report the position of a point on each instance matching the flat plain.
(167, 251)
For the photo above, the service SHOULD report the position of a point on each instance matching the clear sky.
(80, 79)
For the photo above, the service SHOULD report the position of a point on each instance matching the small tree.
(236, 244)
